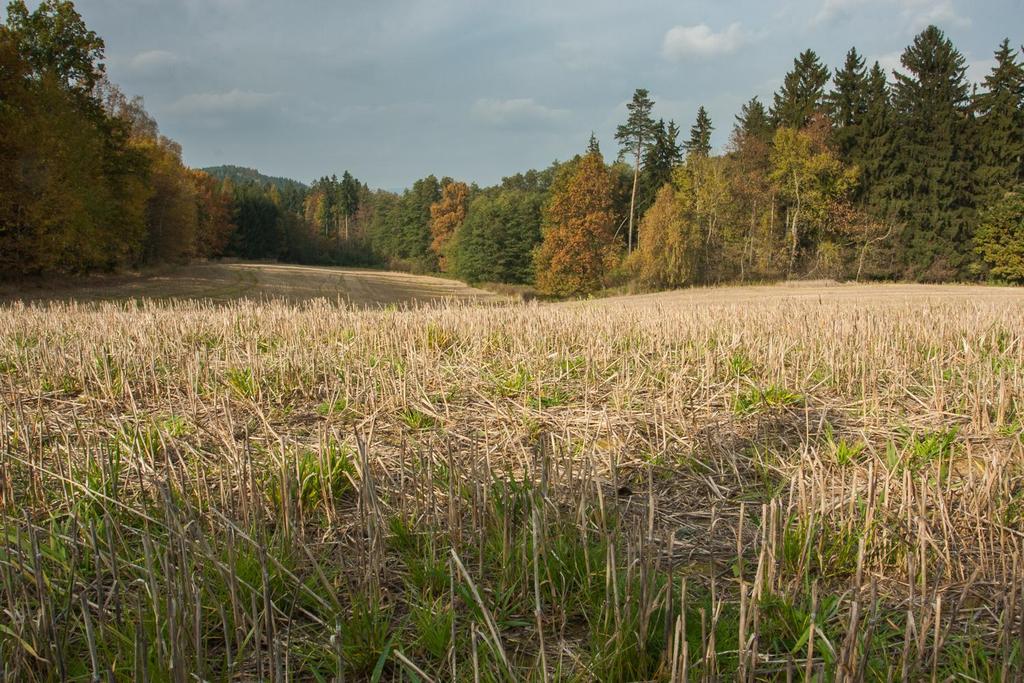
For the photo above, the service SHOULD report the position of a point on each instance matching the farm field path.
(224, 282)
(257, 281)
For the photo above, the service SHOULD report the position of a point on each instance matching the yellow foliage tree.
(809, 178)
(446, 215)
(667, 244)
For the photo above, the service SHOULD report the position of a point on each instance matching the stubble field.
(715, 484)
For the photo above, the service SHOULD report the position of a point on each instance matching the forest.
(847, 173)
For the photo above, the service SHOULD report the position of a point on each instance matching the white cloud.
(217, 103)
(920, 13)
(153, 60)
(515, 111)
(890, 62)
(684, 42)
(916, 14)
(979, 69)
(833, 9)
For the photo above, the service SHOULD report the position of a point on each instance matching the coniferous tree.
(752, 123)
(699, 143)
(496, 240)
(348, 191)
(635, 137)
(593, 146)
(848, 104)
(1000, 112)
(414, 235)
(932, 190)
(874, 148)
(663, 156)
(802, 93)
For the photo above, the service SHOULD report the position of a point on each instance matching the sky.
(393, 90)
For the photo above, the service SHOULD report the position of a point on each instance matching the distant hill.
(241, 175)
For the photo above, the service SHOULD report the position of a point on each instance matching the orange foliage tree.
(446, 215)
(579, 246)
(216, 219)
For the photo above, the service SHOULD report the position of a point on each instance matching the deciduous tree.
(1000, 237)
(578, 247)
(446, 215)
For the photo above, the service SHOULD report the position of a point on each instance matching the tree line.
(846, 173)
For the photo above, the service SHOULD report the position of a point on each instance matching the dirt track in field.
(258, 281)
(372, 288)
(824, 292)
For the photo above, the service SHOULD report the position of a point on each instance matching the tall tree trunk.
(632, 199)
(793, 226)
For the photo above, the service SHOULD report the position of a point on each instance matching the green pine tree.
(933, 187)
(873, 149)
(1000, 112)
(635, 137)
(349, 191)
(753, 123)
(496, 240)
(663, 156)
(847, 105)
(802, 93)
(699, 143)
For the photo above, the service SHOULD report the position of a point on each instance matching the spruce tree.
(802, 93)
(934, 183)
(1000, 112)
(663, 156)
(699, 143)
(349, 196)
(847, 105)
(752, 123)
(874, 148)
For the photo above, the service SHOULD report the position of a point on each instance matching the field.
(804, 483)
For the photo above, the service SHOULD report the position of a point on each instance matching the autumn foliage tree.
(809, 178)
(446, 215)
(666, 253)
(579, 246)
(214, 215)
(86, 180)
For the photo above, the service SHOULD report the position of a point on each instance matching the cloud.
(979, 69)
(683, 42)
(890, 62)
(515, 111)
(153, 60)
(921, 13)
(833, 9)
(219, 103)
(915, 13)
